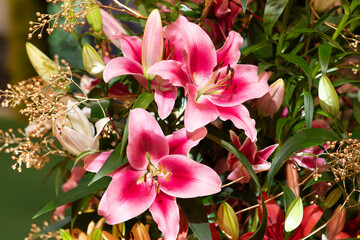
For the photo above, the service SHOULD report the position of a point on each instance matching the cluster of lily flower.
(186, 87)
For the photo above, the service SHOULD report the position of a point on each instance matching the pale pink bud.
(336, 225)
(112, 28)
(292, 178)
(270, 103)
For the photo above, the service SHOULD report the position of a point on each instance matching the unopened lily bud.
(294, 215)
(42, 64)
(292, 178)
(118, 230)
(139, 232)
(94, 17)
(336, 225)
(333, 197)
(153, 43)
(92, 61)
(270, 103)
(329, 100)
(228, 221)
(112, 28)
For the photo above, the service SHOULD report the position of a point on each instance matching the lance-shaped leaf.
(300, 140)
(272, 12)
(153, 43)
(324, 56)
(42, 64)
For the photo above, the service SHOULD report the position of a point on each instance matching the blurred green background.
(21, 194)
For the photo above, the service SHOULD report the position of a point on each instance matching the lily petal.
(229, 53)
(188, 178)
(99, 125)
(249, 149)
(199, 112)
(145, 137)
(240, 116)
(165, 100)
(94, 162)
(171, 70)
(153, 43)
(165, 212)
(181, 141)
(125, 198)
(121, 66)
(131, 47)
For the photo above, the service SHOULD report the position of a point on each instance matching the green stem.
(341, 26)
(77, 38)
(336, 126)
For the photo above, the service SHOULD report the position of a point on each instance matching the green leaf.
(143, 101)
(65, 235)
(255, 47)
(279, 127)
(76, 208)
(80, 156)
(98, 108)
(57, 181)
(325, 176)
(272, 12)
(82, 190)
(54, 227)
(260, 232)
(289, 196)
(300, 62)
(294, 215)
(309, 109)
(324, 56)
(357, 112)
(113, 162)
(300, 140)
(195, 213)
(263, 66)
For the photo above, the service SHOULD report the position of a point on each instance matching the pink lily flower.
(155, 176)
(255, 157)
(138, 57)
(216, 86)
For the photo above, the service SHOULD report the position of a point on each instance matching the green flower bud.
(294, 215)
(329, 100)
(333, 197)
(92, 61)
(227, 220)
(94, 17)
(42, 64)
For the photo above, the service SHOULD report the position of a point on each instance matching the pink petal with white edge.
(125, 198)
(230, 51)
(188, 178)
(95, 161)
(240, 116)
(165, 212)
(145, 137)
(171, 70)
(153, 42)
(121, 66)
(198, 113)
(245, 85)
(165, 100)
(181, 141)
(201, 54)
(131, 47)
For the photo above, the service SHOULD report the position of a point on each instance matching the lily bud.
(333, 197)
(139, 232)
(329, 100)
(227, 220)
(92, 61)
(153, 43)
(270, 103)
(94, 17)
(118, 230)
(294, 215)
(42, 64)
(336, 225)
(292, 178)
(112, 28)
